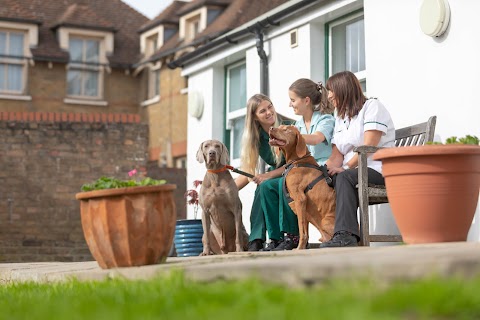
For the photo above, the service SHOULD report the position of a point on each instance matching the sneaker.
(286, 244)
(255, 245)
(271, 245)
(341, 239)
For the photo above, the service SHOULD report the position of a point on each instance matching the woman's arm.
(370, 138)
(259, 178)
(335, 160)
(241, 182)
(315, 138)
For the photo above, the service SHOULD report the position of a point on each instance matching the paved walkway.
(295, 268)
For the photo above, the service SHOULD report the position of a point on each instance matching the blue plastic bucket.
(188, 238)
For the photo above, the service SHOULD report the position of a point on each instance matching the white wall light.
(195, 104)
(434, 17)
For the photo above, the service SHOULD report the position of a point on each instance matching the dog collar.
(218, 170)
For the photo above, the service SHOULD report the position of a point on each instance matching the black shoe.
(255, 245)
(341, 239)
(271, 245)
(286, 244)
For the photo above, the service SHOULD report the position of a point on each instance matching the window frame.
(361, 75)
(84, 66)
(188, 20)
(15, 60)
(106, 48)
(153, 90)
(147, 37)
(232, 116)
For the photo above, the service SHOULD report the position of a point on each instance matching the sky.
(149, 8)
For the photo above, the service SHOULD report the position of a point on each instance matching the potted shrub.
(433, 189)
(128, 222)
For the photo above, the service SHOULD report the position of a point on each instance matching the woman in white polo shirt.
(359, 121)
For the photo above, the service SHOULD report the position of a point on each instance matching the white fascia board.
(213, 59)
(347, 5)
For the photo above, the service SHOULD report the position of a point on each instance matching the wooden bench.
(369, 194)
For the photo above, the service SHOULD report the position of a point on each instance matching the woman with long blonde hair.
(261, 115)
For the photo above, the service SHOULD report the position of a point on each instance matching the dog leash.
(243, 173)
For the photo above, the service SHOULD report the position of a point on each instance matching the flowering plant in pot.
(189, 232)
(128, 222)
(433, 189)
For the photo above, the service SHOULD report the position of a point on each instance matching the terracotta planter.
(432, 190)
(128, 226)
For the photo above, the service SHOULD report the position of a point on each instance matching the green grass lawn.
(174, 297)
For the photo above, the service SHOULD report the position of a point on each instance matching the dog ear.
(200, 156)
(301, 145)
(224, 157)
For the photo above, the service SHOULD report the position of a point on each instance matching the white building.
(415, 75)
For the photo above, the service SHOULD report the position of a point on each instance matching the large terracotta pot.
(129, 226)
(432, 190)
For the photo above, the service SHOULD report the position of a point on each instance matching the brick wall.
(44, 160)
(168, 118)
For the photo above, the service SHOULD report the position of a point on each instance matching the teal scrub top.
(265, 151)
(325, 124)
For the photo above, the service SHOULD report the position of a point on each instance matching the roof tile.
(101, 14)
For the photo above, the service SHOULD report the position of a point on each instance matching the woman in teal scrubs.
(264, 217)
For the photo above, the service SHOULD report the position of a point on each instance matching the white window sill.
(15, 97)
(86, 102)
(150, 101)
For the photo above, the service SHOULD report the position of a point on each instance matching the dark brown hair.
(348, 93)
(315, 91)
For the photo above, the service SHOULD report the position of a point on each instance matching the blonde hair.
(251, 136)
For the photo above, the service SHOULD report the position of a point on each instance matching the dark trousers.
(347, 198)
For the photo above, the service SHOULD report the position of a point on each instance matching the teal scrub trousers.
(271, 212)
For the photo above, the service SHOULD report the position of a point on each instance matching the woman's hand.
(259, 178)
(334, 170)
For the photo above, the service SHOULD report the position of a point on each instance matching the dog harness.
(323, 175)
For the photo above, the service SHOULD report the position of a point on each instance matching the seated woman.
(261, 115)
(309, 100)
(359, 121)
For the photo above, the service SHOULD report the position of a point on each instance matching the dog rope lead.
(233, 169)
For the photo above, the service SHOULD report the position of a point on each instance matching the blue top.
(323, 123)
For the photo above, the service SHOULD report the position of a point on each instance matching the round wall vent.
(434, 17)
(195, 104)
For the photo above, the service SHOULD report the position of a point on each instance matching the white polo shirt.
(349, 133)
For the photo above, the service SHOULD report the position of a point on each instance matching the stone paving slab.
(293, 268)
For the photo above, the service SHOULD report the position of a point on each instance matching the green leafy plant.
(112, 183)
(468, 139)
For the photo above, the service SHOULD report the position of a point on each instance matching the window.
(192, 23)
(84, 76)
(347, 47)
(152, 45)
(236, 106)
(12, 62)
(153, 82)
(192, 28)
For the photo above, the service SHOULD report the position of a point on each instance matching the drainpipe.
(263, 73)
(263, 61)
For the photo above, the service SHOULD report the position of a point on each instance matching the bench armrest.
(366, 149)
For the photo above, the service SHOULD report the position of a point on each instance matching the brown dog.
(316, 205)
(223, 229)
